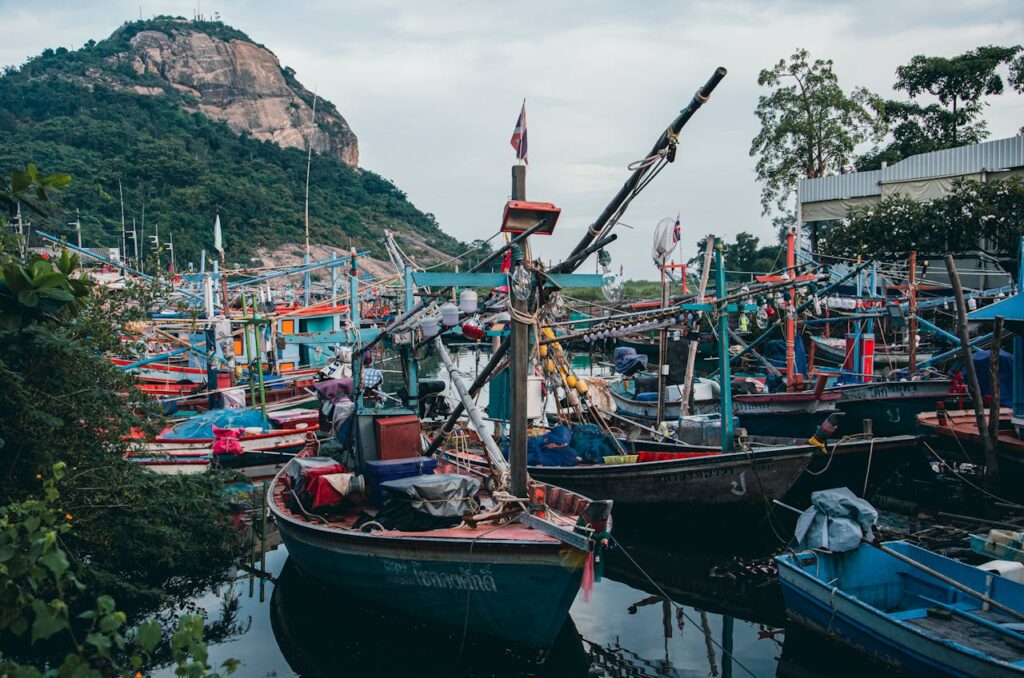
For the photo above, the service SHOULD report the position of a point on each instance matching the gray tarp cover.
(297, 465)
(837, 521)
(445, 495)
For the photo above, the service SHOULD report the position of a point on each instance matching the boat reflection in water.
(321, 632)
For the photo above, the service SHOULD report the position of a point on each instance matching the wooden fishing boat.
(507, 581)
(834, 350)
(185, 463)
(954, 433)
(275, 441)
(892, 406)
(676, 476)
(909, 619)
(163, 372)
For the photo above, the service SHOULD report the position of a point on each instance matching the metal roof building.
(922, 177)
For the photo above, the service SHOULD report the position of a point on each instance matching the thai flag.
(677, 231)
(518, 140)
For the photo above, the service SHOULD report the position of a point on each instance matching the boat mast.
(520, 349)
(724, 370)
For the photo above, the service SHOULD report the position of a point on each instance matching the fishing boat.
(888, 358)
(162, 372)
(509, 581)
(954, 433)
(892, 406)
(255, 440)
(671, 476)
(911, 619)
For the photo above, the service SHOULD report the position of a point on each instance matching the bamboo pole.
(691, 351)
(991, 464)
(912, 321)
(993, 379)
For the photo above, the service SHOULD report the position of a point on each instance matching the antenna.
(124, 244)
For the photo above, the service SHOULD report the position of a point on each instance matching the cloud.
(433, 89)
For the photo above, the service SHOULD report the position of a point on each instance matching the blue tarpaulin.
(201, 425)
(981, 359)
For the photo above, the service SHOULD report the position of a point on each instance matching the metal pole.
(662, 355)
(691, 355)
(412, 387)
(725, 372)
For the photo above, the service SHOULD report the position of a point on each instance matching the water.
(290, 625)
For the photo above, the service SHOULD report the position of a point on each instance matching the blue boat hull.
(519, 595)
(882, 636)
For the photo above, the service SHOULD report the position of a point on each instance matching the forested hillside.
(89, 113)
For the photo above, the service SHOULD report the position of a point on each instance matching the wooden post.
(791, 312)
(691, 355)
(520, 356)
(912, 321)
(993, 379)
(991, 464)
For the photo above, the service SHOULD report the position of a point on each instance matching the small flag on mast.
(677, 230)
(218, 238)
(518, 140)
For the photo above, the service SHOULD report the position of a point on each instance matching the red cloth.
(323, 471)
(226, 440)
(322, 493)
(318, 489)
(666, 456)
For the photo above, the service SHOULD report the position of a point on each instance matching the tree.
(959, 84)
(972, 213)
(809, 127)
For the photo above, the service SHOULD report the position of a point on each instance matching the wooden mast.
(520, 349)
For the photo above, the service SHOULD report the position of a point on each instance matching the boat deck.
(563, 508)
(1004, 645)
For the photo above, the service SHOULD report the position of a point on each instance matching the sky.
(433, 88)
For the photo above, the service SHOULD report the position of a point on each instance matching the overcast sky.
(433, 88)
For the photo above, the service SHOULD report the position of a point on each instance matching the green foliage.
(974, 211)
(46, 608)
(40, 289)
(959, 85)
(30, 188)
(809, 126)
(76, 111)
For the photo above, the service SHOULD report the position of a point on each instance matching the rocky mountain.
(193, 119)
(241, 83)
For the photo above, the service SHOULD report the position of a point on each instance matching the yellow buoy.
(571, 381)
(543, 351)
(581, 387)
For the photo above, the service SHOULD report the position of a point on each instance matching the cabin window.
(287, 327)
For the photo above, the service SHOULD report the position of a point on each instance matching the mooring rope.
(680, 608)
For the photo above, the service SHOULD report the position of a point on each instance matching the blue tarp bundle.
(836, 521)
(201, 425)
(591, 443)
(552, 449)
(628, 361)
(981, 359)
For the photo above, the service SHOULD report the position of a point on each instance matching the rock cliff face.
(242, 84)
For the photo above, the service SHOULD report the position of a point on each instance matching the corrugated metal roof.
(988, 156)
(854, 185)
